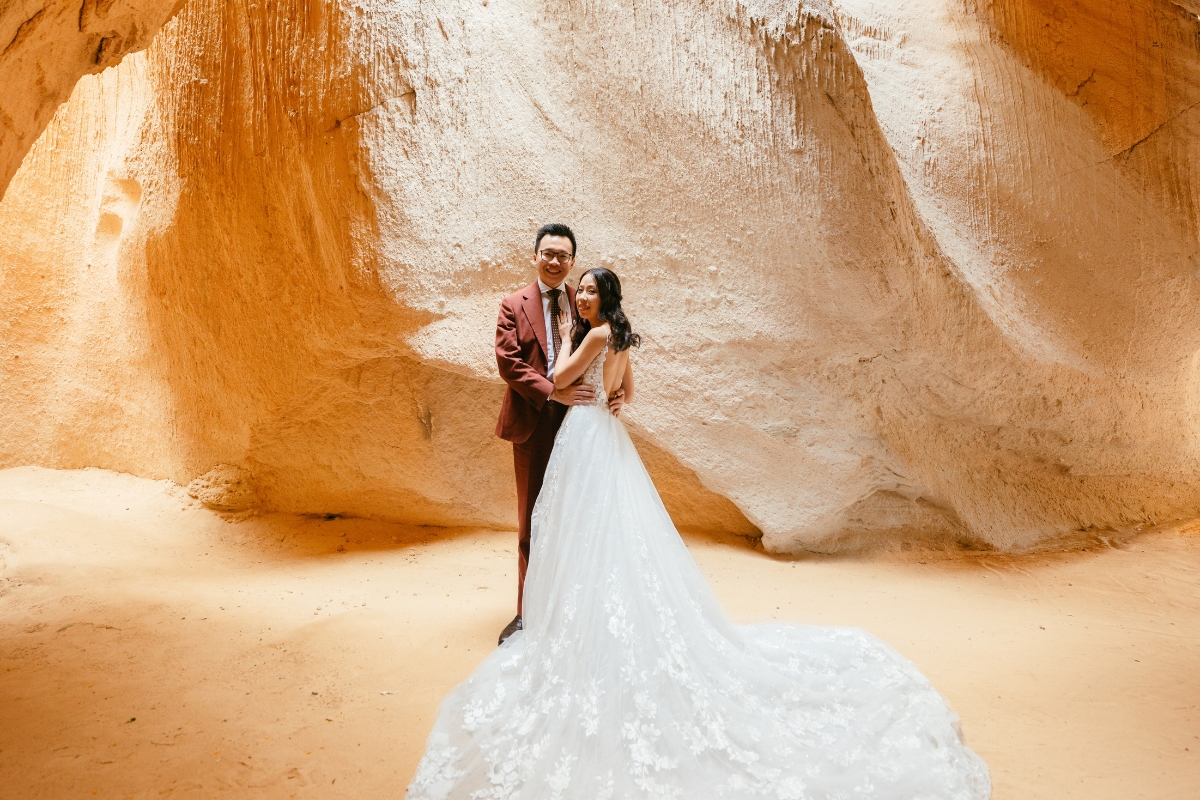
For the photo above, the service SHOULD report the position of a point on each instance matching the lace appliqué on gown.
(628, 681)
(594, 374)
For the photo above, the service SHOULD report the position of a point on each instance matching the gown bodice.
(594, 375)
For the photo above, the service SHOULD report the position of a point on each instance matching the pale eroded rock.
(900, 274)
(225, 487)
(47, 45)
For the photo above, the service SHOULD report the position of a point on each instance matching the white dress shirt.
(563, 307)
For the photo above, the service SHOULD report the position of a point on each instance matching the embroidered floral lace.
(628, 681)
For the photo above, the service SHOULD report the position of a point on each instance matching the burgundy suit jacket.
(521, 357)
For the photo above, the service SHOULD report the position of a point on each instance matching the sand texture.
(151, 648)
(906, 270)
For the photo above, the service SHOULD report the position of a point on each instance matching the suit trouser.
(530, 458)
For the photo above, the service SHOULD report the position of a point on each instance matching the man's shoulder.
(519, 296)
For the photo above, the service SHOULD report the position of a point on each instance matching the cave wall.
(47, 45)
(902, 273)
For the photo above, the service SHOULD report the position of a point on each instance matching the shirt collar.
(543, 288)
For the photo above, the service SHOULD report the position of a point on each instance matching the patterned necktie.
(555, 336)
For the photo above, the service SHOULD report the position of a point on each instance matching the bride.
(628, 681)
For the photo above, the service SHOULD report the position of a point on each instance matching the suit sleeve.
(517, 373)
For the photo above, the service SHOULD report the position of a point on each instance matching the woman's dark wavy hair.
(609, 286)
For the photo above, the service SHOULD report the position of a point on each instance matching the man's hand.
(578, 395)
(616, 401)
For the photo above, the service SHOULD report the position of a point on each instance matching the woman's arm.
(568, 368)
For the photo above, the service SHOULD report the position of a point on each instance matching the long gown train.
(628, 681)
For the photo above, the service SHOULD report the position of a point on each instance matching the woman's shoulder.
(600, 332)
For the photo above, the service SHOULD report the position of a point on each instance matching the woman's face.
(587, 300)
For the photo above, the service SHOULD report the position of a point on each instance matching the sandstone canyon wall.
(47, 45)
(904, 270)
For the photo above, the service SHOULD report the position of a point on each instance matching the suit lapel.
(532, 303)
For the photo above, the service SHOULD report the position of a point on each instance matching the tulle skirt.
(628, 681)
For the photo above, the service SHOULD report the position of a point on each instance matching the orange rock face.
(47, 45)
(904, 271)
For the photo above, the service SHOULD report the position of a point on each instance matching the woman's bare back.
(614, 369)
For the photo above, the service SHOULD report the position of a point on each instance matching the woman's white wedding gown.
(629, 682)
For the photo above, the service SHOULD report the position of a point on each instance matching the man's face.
(553, 260)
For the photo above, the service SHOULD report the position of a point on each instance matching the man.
(527, 341)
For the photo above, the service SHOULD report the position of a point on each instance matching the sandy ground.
(151, 648)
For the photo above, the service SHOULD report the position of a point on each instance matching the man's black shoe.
(510, 629)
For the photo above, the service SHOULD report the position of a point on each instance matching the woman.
(629, 682)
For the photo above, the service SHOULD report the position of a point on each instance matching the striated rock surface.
(904, 270)
(47, 45)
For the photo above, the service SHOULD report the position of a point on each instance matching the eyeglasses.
(551, 257)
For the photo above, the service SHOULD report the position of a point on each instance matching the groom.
(527, 341)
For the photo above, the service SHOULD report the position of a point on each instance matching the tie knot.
(553, 293)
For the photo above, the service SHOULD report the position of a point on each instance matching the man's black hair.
(554, 229)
